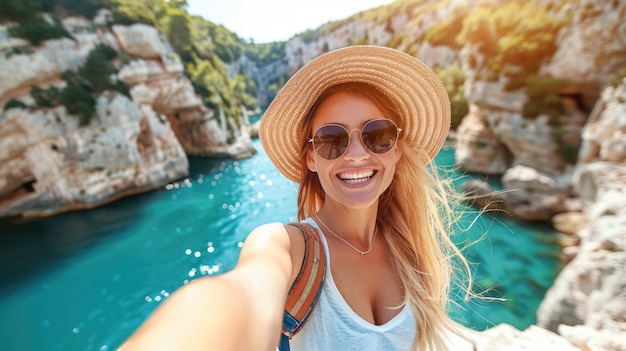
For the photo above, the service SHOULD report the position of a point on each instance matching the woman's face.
(358, 177)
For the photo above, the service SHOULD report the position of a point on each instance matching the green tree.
(453, 79)
(78, 100)
(138, 11)
(97, 69)
(177, 27)
(265, 53)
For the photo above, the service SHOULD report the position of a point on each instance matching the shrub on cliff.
(453, 79)
(519, 33)
(78, 100)
(46, 97)
(14, 103)
(37, 29)
(18, 10)
(94, 77)
(618, 78)
(177, 27)
(543, 97)
(99, 70)
(445, 32)
(142, 11)
(265, 53)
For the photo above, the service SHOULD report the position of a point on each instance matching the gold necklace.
(345, 241)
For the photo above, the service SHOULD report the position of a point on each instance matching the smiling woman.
(356, 128)
(276, 20)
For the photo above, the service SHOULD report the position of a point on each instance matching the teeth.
(355, 178)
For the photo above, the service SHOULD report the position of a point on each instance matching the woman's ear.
(398, 151)
(310, 160)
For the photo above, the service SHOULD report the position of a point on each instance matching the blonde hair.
(414, 216)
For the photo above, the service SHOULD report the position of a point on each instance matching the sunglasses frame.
(349, 133)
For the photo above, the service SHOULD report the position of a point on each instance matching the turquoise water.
(85, 280)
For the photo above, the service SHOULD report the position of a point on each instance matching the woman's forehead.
(348, 109)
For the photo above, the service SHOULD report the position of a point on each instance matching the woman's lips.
(353, 178)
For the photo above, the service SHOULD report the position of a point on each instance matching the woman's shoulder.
(278, 235)
(277, 231)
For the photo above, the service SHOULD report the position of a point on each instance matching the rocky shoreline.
(50, 164)
(585, 307)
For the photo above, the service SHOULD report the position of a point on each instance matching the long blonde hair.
(414, 216)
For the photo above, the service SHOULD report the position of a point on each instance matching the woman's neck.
(356, 226)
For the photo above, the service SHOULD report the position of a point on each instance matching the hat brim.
(416, 90)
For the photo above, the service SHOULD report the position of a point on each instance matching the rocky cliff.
(49, 163)
(587, 304)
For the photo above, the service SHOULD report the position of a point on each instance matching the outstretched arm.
(238, 310)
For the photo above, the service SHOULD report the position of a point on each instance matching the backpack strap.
(306, 289)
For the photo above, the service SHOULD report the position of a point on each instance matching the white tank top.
(333, 325)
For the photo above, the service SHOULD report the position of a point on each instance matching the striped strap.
(308, 284)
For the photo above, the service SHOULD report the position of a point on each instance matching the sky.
(276, 20)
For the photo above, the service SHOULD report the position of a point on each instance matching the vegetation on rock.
(80, 87)
(37, 28)
(453, 79)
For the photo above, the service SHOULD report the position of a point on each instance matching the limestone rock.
(477, 148)
(7, 42)
(204, 134)
(604, 137)
(532, 195)
(488, 92)
(592, 180)
(542, 143)
(587, 304)
(53, 165)
(19, 71)
(141, 40)
(588, 292)
(591, 339)
(491, 139)
(48, 164)
(570, 223)
(505, 337)
(596, 33)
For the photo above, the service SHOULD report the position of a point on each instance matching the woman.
(356, 128)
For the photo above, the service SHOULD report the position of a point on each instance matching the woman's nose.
(356, 150)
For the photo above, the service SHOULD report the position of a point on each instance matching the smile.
(356, 177)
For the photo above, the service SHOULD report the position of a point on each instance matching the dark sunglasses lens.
(331, 141)
(379, 136)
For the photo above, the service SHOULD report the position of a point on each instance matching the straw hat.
(411, 85)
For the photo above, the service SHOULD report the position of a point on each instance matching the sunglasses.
(331, 141)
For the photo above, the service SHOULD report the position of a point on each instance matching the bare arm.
(238, 310)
